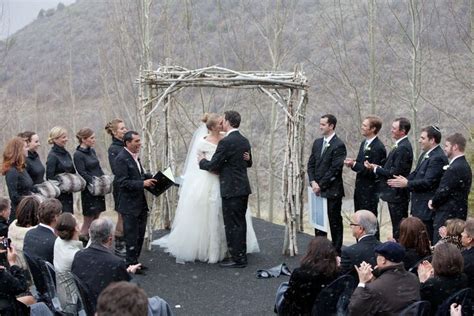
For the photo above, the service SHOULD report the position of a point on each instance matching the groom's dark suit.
(228, 162)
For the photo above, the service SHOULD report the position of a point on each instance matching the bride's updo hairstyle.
(210, 119)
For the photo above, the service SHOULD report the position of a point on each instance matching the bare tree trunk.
(372, 56)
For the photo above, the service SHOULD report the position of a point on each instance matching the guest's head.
(413, 235)
(49, 211)
(212, 121)
(320, 256)
(389, 253)
(116, 128)
(32, 140)
(454, 229)
(14, 155)
(231, 120)
(132, 141)
(122, 298)
(58, 136)
(363, 222)
(467, 236)
(66, 227)
(102, 231)
(27, 212)
(447, 260)
(455, 145)
(86, 137)
(400, 128)
(5, 208)
(327, 124)
(371, 126)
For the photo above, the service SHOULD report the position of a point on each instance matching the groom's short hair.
(233, 117)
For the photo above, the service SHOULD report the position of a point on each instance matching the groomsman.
(450, 199)
(398, 162)
(424, 180)
(325, 175)
(366, 193)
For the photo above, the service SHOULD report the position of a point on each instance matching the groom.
(228, 162)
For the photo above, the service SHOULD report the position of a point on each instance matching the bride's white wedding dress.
(198, 231)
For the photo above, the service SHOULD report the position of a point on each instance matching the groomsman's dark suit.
(450, 199)
(228, 162)
(423, 182)
(398, 163)
(132, 203)
(325, 167)
(366, 193)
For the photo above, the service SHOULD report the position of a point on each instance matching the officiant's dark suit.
(398, 163)
(229, 163)
(325, 166)
(130, 177)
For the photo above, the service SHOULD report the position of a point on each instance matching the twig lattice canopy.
(287, 89)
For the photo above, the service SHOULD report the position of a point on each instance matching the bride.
(197, 231)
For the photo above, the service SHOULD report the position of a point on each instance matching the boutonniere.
(327, 145)
(394, 146)
(445, 167)
(427, 156)
(368, 148)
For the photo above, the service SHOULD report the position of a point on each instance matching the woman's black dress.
(19, 184)
(35, 167)
(60, 161)
(115, 148)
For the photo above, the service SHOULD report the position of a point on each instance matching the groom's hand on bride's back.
(149, 183)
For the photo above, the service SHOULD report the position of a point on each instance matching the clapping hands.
(425, 271)
(365, 272)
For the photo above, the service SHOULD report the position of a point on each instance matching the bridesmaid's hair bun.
(205, 118)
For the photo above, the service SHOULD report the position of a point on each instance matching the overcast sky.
(15, 14)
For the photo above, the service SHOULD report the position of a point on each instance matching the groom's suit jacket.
(229, 163)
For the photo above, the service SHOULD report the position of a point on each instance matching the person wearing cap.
(388, 288)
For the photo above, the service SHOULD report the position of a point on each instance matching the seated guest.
(414, 237)
(443, 276)
(364, 226)
(389, 288)
(122, 298)
(97, 266)
(65, 247)
(319, 267)
(39, 242)
(468, 253)
(452, 232)
(26, 220)
(4, 216)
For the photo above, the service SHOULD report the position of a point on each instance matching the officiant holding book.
(132, 180)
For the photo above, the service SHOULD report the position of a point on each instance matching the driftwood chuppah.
(287, 89)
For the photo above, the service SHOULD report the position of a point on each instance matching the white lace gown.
(198, 231)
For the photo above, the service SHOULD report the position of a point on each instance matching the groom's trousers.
(233, 212)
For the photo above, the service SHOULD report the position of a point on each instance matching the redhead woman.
(116, 128)
(88, 166)
(34, 166)
(18, 180)
(59, 161)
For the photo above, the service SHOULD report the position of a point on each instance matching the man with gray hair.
(364, 226)
(97, 266)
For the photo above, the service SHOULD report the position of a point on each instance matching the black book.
(165, 180)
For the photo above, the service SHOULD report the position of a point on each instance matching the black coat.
(367, 182)
(115, 148)
(88, 166)
(39, 243)
(424, 180)
(326, 170)
(131, 196)
(19, 184)
(229, 163)
(468, 256)
(97, 267)
(59, 161)
(438, 288)
(3, 227)
(303, 288)
(35, 167)
(12, 283)
(453, 191)
(398, 163)
(356, 253)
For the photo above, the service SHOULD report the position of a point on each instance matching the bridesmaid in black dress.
(34, 166)
(59, 161)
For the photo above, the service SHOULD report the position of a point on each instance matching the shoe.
(232, 264)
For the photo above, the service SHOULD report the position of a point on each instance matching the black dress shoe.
(233, 264)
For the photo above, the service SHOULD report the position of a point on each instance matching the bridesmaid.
(88, 166)
(34, 166)
(18, 180)
(59, 161)
(116, 128)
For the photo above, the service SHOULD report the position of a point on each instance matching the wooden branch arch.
(154, 93)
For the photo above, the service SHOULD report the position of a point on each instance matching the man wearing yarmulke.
(388, 288)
